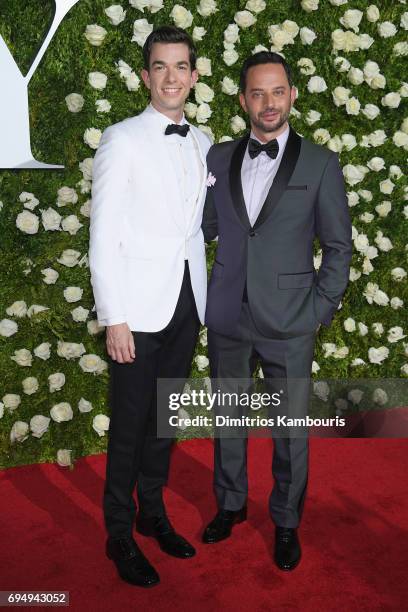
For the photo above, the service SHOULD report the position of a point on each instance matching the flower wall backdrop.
(348, 59)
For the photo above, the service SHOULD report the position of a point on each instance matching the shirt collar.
(282, 139)
(163, 121)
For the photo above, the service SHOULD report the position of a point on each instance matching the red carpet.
(353, 533)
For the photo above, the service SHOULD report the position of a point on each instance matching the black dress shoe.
(287, 548)
(132, 565)
(221, 526)
(170, 542)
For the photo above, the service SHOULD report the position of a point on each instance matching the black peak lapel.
(237, 193)
(282, 177)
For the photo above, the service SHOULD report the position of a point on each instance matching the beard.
(271, 127)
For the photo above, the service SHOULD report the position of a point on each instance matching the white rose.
(341, 64)
(35, 308)
(231, 33)
(321, 389)
(198, 33)
(362, 329)
(190, 109)
(237, 124)
(321, 135)
(307, 36)
(22, 357)
(30, 385)
(386, 29)
(400, 49)
(56, 381)
(94, 327)
(364, 40)
(306, 66)
(207, 8)
(377, 138)
(376, 82)
(349, 141)
(95, 34)
(92, 137)
(61, 412)
(17, 309)
(27, 222)
(50, 276)
(100, 424)
(383, 243)
(349, 325)
(340, 95)
(355, 76)
(395, 334)
(371, 111)
(202, 362)
(256, 6)
(391, 100)
(64, 457)
(92, 363)
(19, 432)
(69, 258)
(230, 56)
(11, 401)
(395, 171)
(115, 14)
(86, 167)
(355, 396)
(396, 303)
(279, 38)
(39, 425)
(315, 367)
(404, 20)
(132, 82)
(377, 355)
(244, 19)
(66, 195)
(80, 314)
(42, 351)
(372, 13)
(354, 274)
(316, 84)
(204, 66)
(366, 217)
(354, 174)
(29, 200)
(97, 80)
(8, 328)
(73, 294)
(70, 350)
(312, 116)
(102, 106)
(351, 19)
(51, 219)
(181, 16)
(400, 139)
(367, 266)
(203, 93)
(376, 164)
(84, 405)
(71, 224)
(155, 6)
(75, 102)
(378, 328)
(341, 352)
(398, 274)
(352, 106)
(310, 5)
(204, 112)
(228, 86)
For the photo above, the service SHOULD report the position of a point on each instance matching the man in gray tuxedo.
(272, 193)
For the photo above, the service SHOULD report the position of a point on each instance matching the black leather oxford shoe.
(287, 548)
(132, 565)
(221, 526)
(170, 542)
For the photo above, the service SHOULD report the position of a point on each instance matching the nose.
(171, 75)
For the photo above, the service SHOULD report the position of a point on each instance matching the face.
(169, 77)
(268, 98)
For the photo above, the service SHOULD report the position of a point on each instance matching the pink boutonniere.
(210, 180)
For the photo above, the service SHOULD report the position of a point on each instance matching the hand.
(120, 343)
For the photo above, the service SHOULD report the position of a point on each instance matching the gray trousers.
(236, 357)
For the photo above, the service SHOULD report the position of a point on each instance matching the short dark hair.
(168, 34)
(263, 57)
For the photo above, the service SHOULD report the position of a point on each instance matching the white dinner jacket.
(138, 240)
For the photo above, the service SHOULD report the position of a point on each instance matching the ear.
(194, 77)
(242, 102)
(146, 78)
(293, 94)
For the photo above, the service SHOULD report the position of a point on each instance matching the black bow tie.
(271, 148)
(174, 128)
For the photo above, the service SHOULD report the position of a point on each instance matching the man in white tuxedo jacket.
(149, 278)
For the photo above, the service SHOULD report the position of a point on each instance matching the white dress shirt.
(186, 161)
(257, 176)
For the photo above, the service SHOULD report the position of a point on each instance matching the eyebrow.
(260, 88)
(163, 63)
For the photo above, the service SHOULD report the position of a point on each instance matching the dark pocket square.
(296, 187)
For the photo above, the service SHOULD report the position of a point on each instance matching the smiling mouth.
(270, 115)
(172, 91)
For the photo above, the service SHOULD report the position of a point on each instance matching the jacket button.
(252, 233)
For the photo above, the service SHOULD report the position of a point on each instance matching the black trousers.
(135, 453)
(288, 361)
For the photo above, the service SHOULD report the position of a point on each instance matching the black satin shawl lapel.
(237, 193)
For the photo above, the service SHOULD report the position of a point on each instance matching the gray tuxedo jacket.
(273, 259)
